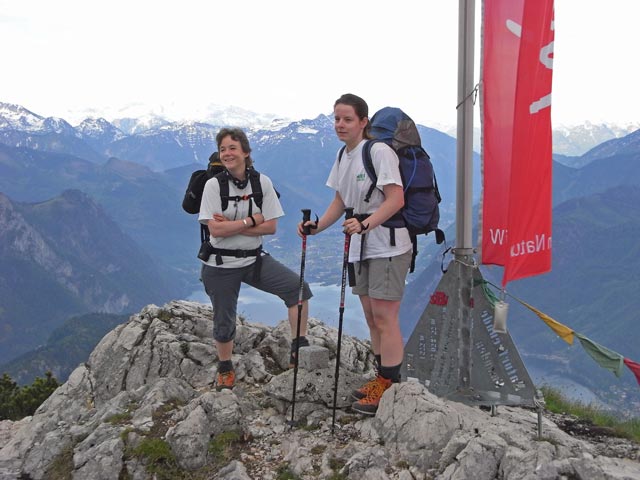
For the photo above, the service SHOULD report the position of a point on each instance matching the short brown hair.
(238, 135)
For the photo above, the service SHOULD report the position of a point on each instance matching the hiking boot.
(369, 404)
(364, 390)
(303, 342)
(225, 380)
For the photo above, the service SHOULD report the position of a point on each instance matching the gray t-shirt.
(211, 203)
(349, 178)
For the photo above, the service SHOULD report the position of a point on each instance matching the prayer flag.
(564, 332)
(634, 367)
(603, 356)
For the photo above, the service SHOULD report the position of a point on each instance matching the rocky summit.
(144, 407)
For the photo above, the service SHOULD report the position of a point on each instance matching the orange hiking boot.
(369, 404)
(225, 380)
(364, 390)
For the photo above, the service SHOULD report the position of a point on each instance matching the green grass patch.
(347, 419)
(284, 473)
(336, 464)
(318, 449)
(165, 316)
(155, 450)
(159, 459)
(556, 402)
(222, 447)
(119, 418)
(62, 466)
(311, 427)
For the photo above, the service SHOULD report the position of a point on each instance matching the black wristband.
(362, 227)
(253, 220)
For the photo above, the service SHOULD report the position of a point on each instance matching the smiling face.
(232, 156)
(349, 127)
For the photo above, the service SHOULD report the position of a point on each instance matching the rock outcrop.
(143, 407)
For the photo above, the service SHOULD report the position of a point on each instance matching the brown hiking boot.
(364, 390)
(369, 404)
(225, 380)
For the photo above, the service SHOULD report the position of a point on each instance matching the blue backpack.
(420, 214)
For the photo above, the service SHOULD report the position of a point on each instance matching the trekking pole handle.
(348, 213)
(306, 217)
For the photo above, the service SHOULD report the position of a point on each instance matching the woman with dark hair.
(380, 267)
(235, 253)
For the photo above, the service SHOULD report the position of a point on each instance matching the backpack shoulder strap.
(256, 187)
(223, 181)
(341, 152)
(368, 167)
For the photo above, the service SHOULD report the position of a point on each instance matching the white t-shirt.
(211, 203)
(349, 178)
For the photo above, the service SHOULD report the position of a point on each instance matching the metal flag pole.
(464, 139)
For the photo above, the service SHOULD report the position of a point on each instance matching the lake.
(260, 307)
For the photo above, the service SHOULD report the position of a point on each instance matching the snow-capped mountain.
(137, 117)
(569, 140)
(279, 130)
(175, 132)
(99, 133)
(576, 140)
(167, 146)
(15, 117)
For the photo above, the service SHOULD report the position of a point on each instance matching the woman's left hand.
(352, 226)
(218, 217)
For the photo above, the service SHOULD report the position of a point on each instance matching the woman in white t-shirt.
(380, 268)
(234, 254)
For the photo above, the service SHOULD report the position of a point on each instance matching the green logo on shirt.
(360, 177)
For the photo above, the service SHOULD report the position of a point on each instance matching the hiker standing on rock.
(379, 268)
(238, 214)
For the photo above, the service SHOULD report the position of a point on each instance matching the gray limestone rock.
(145, 400)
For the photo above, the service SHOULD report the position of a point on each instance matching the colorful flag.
(634, 367)
(564, 332)
(517, 62)
(603, 356)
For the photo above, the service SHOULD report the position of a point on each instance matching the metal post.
(464, 140)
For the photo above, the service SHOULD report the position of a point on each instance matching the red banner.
(517, 62)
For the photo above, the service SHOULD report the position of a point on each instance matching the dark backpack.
(195, 187)
(421, 213)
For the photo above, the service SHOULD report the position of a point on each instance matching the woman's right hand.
(312, 230)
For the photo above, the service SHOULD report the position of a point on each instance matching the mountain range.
(65, 256)
(138, 176)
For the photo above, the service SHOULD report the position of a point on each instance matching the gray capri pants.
(223, 287)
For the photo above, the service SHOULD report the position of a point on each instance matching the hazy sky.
(294, 58)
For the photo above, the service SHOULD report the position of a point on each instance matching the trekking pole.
(306, 230)
(348, 213)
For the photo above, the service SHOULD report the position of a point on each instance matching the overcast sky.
(294, 58)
